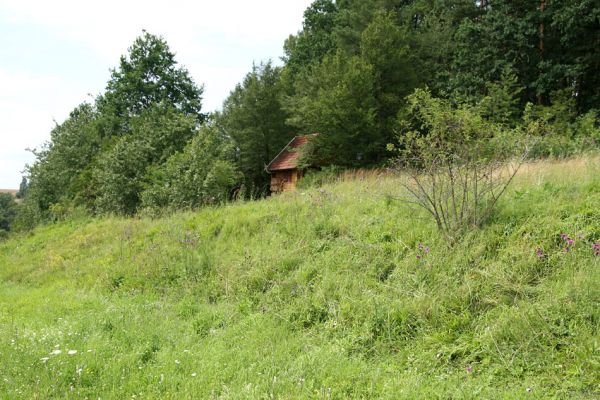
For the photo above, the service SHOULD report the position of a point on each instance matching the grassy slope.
(312, 295)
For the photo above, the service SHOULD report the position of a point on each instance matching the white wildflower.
(72, 352)
(194, 374)
(44, 359)
(56, 352)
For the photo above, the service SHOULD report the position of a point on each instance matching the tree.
(205, 172)
(253, 115)
(316, 38)
(336, 99)
(150, 110)
(8, 212)
(550, 45)
(73, 145)
(384, 46)
(147, 75)
(22, 188)
(156, 134)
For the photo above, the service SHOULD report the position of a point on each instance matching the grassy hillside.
(316, 294)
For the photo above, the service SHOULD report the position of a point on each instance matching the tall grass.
(322, 293)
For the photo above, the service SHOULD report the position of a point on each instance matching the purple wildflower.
(568, 241)
(422, 251)
(596, 249)
(539, 252)
(469, 369)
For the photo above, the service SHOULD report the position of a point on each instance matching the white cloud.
(217, 41)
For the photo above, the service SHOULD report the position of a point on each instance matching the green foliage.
(501, 104)
(97, 158)
(149, 75)
(335, 99)
(312, 295)
(203, 173)
(8, 211)
(456, 163)
(74, 144)
(550, 48)
(23, 186)
(384, 46)
(254, 117)
(316, 39)
(559, 130)
(156, 134)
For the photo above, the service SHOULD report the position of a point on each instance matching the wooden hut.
(284, 167)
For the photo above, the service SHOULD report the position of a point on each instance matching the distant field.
(318, 294)
(11, 191)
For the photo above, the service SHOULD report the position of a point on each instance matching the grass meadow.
(326, 293)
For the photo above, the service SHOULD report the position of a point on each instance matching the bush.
(455, 164)
(8, 211)
(558, 131)
(203, 173)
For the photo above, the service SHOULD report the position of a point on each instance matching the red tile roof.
(288, 157)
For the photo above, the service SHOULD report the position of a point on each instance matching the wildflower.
(56, 352)
(570, 242)
(469, 369)
(194, 374)
(564, 236)
(528, 390)
(422, 250)
(44, 359)
(539, 252)
(596, 249)
(72, 352)
(176, 361)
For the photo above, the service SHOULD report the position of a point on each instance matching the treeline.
(146, 144)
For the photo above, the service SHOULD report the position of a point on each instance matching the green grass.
(316, 294)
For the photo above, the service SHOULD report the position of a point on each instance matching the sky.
(56, 54)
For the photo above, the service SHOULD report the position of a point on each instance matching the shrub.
(8, 211)
(454, 163)
(203, 173)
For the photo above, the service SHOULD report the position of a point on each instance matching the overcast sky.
(55, 54)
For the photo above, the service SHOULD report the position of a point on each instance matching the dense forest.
(146, 144)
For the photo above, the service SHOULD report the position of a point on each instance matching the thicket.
(8, 212)
(145, 143)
